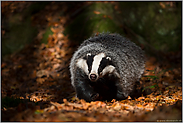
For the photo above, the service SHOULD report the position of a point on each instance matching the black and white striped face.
(96, 66)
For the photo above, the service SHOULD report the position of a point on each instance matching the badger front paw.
(87, 94)
(121, 95)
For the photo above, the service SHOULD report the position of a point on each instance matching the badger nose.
(93, 77)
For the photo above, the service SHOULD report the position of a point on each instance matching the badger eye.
(100, 69)
(89, 68)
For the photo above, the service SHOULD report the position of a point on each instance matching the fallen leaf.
(96, 12)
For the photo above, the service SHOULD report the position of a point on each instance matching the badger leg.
(120, 92)
(85, 91)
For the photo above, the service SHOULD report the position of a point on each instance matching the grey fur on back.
(127, 57)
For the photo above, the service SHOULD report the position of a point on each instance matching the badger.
(106, 66)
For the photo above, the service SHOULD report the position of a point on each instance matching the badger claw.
(94, 96)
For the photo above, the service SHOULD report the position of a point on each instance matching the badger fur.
(106, 66)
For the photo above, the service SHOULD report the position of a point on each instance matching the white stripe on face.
(109, 69)
(96, 63)
(81, 63)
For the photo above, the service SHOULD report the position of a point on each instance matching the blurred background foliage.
(16, 26)
(155, 26)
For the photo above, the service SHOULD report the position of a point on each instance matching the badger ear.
(109, 58)
(87, 55)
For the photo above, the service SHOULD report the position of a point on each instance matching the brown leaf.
(141, 98)
(41, 73)
(129, 98)
(60, 35)
(96, 12)
(40, 80)
(56, 66)
(65, 101)
(85, 104)
(162, 5)
(117, 107)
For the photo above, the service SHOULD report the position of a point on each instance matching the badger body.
(106, 67)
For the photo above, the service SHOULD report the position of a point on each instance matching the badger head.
(96, 66)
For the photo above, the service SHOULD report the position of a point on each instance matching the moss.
(98, 17)
(19, 30)
(10, 102)
(46, 35)
(18, 34)
(158, 26)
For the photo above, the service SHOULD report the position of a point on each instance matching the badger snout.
(93, 77)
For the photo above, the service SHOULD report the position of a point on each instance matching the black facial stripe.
(104, 62)
(89, 62)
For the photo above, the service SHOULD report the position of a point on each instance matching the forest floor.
(35, 84)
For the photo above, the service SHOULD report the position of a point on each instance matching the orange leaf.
(96, 12)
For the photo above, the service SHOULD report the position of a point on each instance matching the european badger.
(106, 67)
